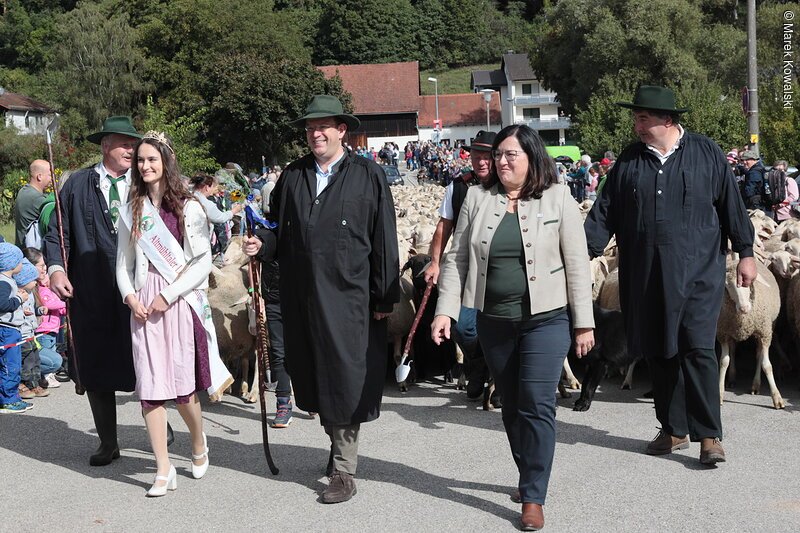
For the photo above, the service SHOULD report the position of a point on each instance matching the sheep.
(749, 312)
(609, 293)
(228, 299)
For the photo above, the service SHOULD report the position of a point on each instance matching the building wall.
(33, 124)
(465, 133)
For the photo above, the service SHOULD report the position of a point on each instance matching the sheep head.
(742, 297)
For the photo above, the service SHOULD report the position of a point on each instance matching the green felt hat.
(325, 105)
(118, 124)
(651, 97)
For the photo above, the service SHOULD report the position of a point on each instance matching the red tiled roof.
(19, 102)
(459, 110)
(380, 88)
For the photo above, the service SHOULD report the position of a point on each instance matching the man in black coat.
(100, 321)
(672, 202)
(339, 278)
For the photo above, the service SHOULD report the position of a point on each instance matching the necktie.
(114, 202)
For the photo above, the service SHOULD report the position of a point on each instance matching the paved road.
(432, 462)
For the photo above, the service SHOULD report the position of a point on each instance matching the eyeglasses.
(511, 155)
(321, 127)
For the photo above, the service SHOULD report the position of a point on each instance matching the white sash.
(166, 254)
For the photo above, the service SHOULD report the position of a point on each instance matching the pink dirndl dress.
(170, 350)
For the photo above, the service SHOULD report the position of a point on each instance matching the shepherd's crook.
(73, 359)
(254, 275)
(404, 367)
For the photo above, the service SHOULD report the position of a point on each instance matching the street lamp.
(487, 95)
(436, 92)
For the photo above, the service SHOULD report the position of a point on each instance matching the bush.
(12, 183)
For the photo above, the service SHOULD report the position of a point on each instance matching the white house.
(524, 100)
(461, 117)
(28, 116)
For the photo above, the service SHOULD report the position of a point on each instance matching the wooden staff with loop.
(262, 353)
(73, 354)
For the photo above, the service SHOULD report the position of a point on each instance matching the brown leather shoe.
(532, 518)
(711, 451)
(341, 488)
(25, 393)
(665, 443)
(40, 392)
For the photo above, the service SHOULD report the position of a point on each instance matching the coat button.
(524, 217)
(344, 222)
(316, 202)
(530, 261)
(527, 245)
(524, 230)
(533, 278)
(660, 171)
(659, 191)
(483, 259)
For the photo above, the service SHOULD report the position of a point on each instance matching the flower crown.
(159, 137)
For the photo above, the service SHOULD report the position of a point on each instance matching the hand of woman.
(584, 341)
(158, 305)
(236, 208)
(139, 311)
(440, 328)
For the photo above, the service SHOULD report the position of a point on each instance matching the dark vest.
(460, 188)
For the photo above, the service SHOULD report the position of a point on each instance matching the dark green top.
(507, 293)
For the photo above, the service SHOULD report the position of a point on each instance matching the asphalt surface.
(432, 462)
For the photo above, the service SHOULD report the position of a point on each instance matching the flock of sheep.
(746, 312)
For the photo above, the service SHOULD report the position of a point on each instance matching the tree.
(366, 31)
(582, 41)
(250, 101)
(96, 67)
(603, 125)
(194, 154)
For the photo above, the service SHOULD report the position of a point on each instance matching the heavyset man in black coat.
(672, 202)
(339, 278)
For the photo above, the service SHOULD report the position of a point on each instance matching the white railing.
(546, 123)
(532, 99)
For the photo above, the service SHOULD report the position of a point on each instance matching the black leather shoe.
(341, 488)
(104, 455)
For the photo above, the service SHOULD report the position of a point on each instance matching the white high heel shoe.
(171, 483)
(199, 471)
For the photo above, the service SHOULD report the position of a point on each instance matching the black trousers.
(686, 393)
(277, 351)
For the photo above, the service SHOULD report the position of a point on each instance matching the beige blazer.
(556, 257)
(132, 264)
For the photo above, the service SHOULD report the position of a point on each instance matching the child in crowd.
(31, 372)
(11, 319)
(47, 332)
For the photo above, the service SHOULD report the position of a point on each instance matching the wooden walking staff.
(73, 355)
(262, 354)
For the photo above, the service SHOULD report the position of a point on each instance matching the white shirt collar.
(663, 157)
(100, 168)
(331, 166)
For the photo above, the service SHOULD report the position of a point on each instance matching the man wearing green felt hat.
(336, 245)
(100, 321)
(673, 204)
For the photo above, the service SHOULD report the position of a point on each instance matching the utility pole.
(752, 78)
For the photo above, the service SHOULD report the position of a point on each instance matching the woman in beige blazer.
(519, 256)
(170, 347)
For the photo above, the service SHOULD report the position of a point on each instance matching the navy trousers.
(525, 359)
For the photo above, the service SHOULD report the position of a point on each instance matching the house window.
(27, 121)
(531, 112)
(526, 88)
